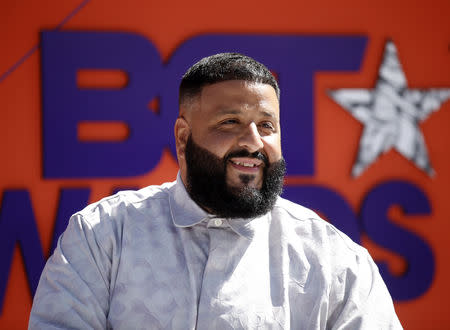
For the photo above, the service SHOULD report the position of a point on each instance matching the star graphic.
(391, 114)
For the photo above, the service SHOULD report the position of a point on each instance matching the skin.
(230, 116)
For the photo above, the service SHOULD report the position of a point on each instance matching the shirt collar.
(249, 227)
(186, 213)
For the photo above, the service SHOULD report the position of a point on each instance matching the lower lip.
(245, 168)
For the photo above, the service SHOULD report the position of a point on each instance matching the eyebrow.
(237, 112)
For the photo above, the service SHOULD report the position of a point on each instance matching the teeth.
(245, 164)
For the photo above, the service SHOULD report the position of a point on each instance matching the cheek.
(272, 146)
(218, 144)
(218, 147)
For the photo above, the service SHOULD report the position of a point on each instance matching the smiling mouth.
(246, 164)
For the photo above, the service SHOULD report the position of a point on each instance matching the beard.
(207, 186)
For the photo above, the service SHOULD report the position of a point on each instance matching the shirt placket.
(213, 304)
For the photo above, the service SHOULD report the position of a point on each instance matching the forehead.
(238, 96)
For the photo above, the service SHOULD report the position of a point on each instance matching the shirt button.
(218, 222)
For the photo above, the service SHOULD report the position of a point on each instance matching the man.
(218, 248)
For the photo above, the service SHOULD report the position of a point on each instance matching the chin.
(242, 184)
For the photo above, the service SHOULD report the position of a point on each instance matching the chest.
(207, 278)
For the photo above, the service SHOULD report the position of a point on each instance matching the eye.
(230, 121)
(267, 125)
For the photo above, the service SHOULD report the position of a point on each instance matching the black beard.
(206, 183)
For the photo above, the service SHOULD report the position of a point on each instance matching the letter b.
(65, 105)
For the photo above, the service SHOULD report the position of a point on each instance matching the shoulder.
(324, 250)
(110, 216)
(295, 210)
(105, 222)
(124, 202)
(315, 234)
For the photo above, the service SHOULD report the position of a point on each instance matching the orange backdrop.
(420, 30)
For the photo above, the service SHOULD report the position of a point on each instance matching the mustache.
(245, 153)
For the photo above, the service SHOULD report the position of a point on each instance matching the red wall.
(419, 29)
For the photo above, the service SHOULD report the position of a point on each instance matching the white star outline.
(391, 114)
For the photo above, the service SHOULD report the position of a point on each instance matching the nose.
(250, 138)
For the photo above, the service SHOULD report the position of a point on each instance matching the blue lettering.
(64, 105)
(18, 225)
(295, 59)
(70, 201)
(419, 274)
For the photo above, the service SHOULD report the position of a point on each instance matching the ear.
(182, 131)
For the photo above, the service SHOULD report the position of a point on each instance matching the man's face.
(237, 115)
(234, 142)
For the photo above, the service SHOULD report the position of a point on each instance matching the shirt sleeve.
(73, 290)
(363, 302)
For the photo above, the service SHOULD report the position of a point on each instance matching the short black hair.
(222, 67)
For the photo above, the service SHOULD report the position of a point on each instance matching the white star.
(391, 114)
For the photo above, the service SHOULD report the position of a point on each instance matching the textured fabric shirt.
(153, 259)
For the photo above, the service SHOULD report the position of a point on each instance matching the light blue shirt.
(153, 259)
